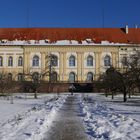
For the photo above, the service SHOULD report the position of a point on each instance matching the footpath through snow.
(68, 123)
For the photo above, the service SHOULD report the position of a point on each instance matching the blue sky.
(69, 13)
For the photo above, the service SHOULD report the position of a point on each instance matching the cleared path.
(68, 125)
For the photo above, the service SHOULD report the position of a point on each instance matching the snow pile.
(104, 123)
(31, 124)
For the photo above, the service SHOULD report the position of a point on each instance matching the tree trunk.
(11, 99)
(112, 95)
(35, 95)
(129, 91)
(106, 93)
(125, 97)
(129, 95)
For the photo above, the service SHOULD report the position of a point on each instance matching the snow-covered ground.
(111, 120)
(28, 118)
(104, 119)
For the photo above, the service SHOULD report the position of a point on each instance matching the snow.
(103, 118)
(28, 118)
(59, 42)
(66, 42)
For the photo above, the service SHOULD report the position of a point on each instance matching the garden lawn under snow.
(104, 119)
(107, 120)
(28, 119)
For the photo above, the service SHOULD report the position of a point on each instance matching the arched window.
(10, 76)
(72, 60)
(90, 77)
(20, 61)
(20, 77)
(89, 60)
(107, 60)
(35, 61)
(1, 61)
(10, 61)
(54, 77)
(54, 60)
(72, 77)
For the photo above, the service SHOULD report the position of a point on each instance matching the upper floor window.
(10, 61)
(72, 60)
(89, 60)
(20, 61)
(107, 60)
(54, 60)
(1, 61)
(35, 61)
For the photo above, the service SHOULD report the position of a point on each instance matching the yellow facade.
(63, 53)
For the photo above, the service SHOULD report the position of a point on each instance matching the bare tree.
(124, 79)
(32, 80)
(114, 82)
(51, 62)
(6, 84)
(132, 71)
(3, 82)
(49, 67)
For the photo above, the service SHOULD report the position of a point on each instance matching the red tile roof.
(116, 35)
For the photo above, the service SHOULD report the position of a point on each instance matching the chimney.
(126, 29)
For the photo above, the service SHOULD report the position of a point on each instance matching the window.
(35, 61)
(10, 76)
(20, 77)
(72, 60)
(1, 61)
(72, 77)
(124, 61)
(10, 61)
(20, 61)
(90, 77)
(54, 60)
(89, 60)
(107, 60)
(54, 77)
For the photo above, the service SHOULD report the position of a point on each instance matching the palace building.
(80, 54)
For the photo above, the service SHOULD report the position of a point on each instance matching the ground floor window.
(54, 77)
(10, 76)
(72, 77)
(20, 77)
(90, 77)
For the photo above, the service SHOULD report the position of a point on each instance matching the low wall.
(56, 87)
